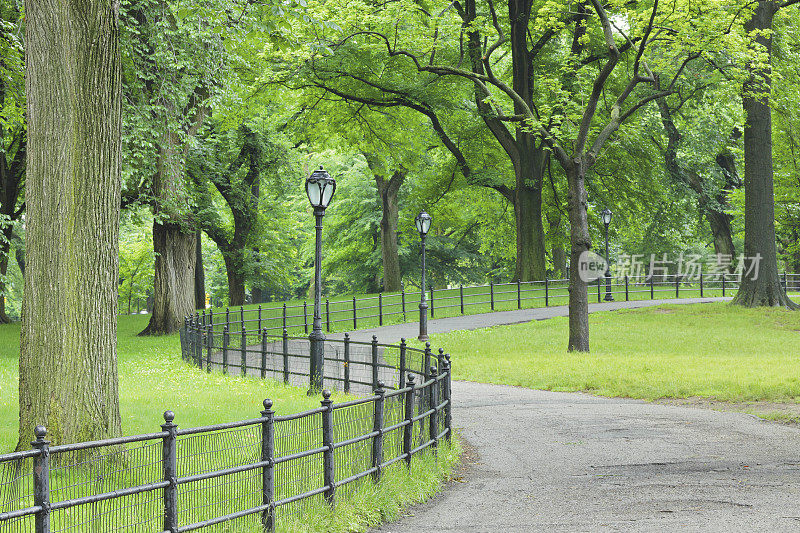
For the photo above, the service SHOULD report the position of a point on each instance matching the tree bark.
(68, 359)
(4, 251)
(388, 189)
(579, 238)
(173, 280)
(236, 296)
(199, 275)
(530, 260)
(760, 249)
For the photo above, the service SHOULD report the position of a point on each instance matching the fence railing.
(248, 475)
(384, 308)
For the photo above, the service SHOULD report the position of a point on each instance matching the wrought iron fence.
(350, 314)
(249, 474)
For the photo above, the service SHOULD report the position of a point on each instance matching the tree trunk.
(579, 237)
(199, 275)
(761, 288)
(530, 264)
(68, 357)
(235, 278)
(559, 254)
(4, 251)
(388, 189)
(173, 281)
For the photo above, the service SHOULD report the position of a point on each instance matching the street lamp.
(606, 214)
(320, 187)
(423, 223)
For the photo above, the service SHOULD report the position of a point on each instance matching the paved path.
(547, 461)
(410, 330)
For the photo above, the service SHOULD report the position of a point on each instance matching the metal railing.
(245, 474)
(350, 314)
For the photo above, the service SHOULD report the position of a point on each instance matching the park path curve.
(549, 461)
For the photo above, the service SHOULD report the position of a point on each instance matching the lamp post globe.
(606, 217)
(320, 187)
(423, 223)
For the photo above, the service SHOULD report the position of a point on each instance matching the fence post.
(305, 316)
(402, 383)
(723, 284)
(701, 282)
(377, 425)
(41, 479)
(440, 358)
(461, 297)
(285, 356)
(546, 291)
(226, 338)
(327, 441)
(211, 317)
(651, 286)
(380, 308)
(433, 398)
(227, 316)
(431, 301)
(403, 297)
(327, 315)
(170, 468)
(209, 347)
(627, 297)
(785, 284)
(491, 295)
(241, 315)
(355, 313)
(347, 362)
(284, 316)
(268, 473)
(427, 361)
(519, 294)
(198, 352)
(244, 351)
(203, 322)
(264, 353)
(448, 409)
(408, 429)
(259, 317)
(374, 360)
(598, 291)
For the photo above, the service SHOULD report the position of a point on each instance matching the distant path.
(410, 330)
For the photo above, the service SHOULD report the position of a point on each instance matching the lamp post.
(320, 187)
(606, 214)
(423, 223)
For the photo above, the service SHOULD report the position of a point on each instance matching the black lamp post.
(606, 214)
(320, 187)
(423, 223)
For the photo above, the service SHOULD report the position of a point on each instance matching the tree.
(68, 360)
(12, 132)
(762, 285)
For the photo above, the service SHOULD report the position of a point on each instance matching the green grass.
(674, 351)
(153, 378)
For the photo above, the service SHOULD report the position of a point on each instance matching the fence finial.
(326, 394)
(267, 404)
(169, 416)
(40, 432)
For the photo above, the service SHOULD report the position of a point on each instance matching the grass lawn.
(674, 351)
(153, 378)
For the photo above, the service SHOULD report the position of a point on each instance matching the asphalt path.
(548, 461)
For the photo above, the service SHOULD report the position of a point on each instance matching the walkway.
(547, 461)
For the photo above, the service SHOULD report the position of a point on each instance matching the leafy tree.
(13, 134)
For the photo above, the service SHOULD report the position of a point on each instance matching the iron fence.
(251, 474)
(383, 308)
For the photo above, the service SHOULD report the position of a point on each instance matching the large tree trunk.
(388, 189)
(235, 278)
(530, 263)
(761, 285)
(559, 254)
(68, 359)
(173, 281)
(199, 275)
(579, 237)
